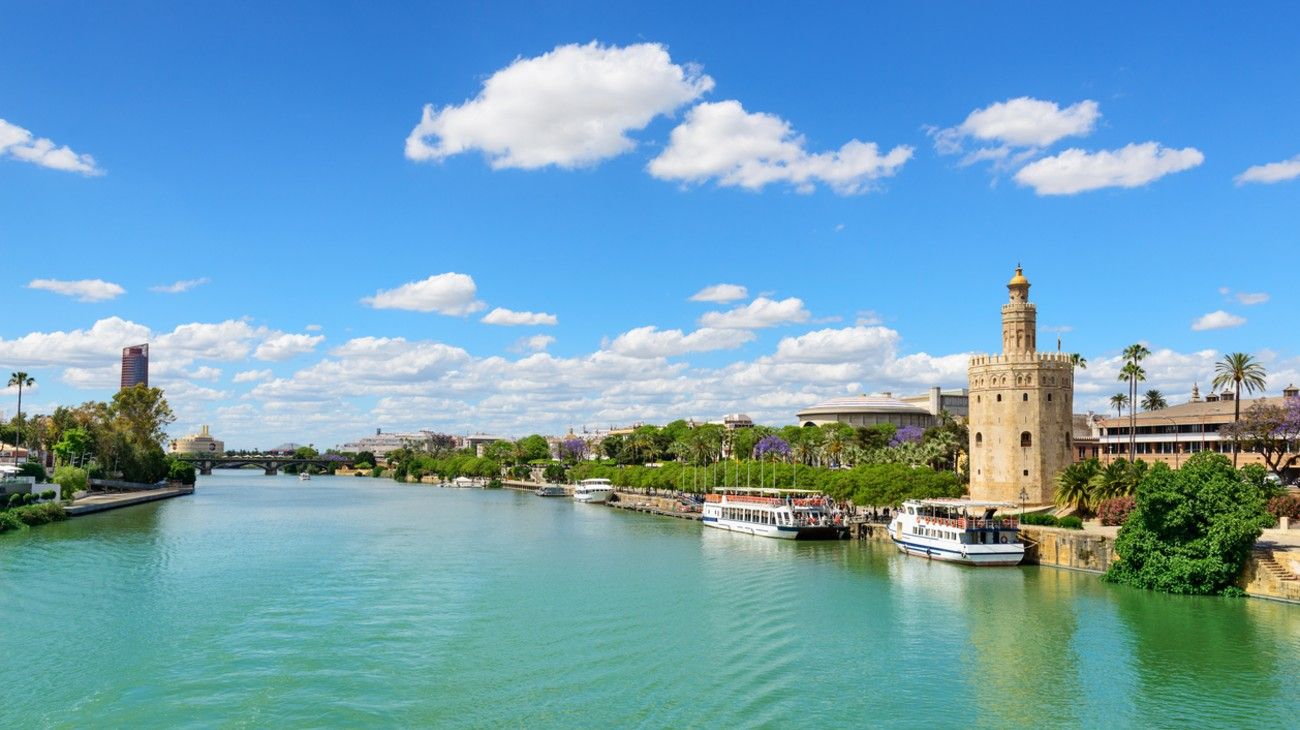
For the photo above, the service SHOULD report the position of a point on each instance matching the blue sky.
(885, 168)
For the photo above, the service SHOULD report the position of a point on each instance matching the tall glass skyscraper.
(135, 365)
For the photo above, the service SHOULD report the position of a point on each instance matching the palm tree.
(1239, 368)
(1117, 479)
(1074, 485)
(1119, 400)
(22, 380)
(1154, 400)
(1079, 361)
(1134, 374)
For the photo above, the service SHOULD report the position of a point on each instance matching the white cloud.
(85, 290)
(183, 285)
(1020, 122)
(1217, 320)
(205, 372)
(1252, 298)
(313, 328)
(451, 293)
(1075, 171)
(869, 318)
(535, 343)
(848, 344)
(100, 344)
(762, 312)
(503, 316)
(23, 145)
(570, 107)
(652, 342)
(722, 142)
(720, 293)
(1273, 172)
(251, 376)
(283, 346)
(228, 340)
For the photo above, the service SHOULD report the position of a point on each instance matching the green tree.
(1133, 373)
(22, 380)
(1154, 400)
(1192, 529)
(1079, 362)
(1240, 370)
(1074, 485)
(72, 446)
(553, 473)
(1119, 401)
(534, 447)
(70, 480)
(142, 414)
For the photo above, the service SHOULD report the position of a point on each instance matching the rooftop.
(883, 403)
(1221, 410)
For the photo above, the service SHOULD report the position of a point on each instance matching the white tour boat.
(462, 483)
(787, 514)
(304, 476)
(959, 531)
(593, 491)
(551, 490)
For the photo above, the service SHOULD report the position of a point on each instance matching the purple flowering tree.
(772, 447)
(1267, 430)
(573, 450)
(907, 435)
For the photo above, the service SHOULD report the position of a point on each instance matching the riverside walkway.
(103, 502)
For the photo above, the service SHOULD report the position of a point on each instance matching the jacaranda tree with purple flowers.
(573, 450)
(907, 435)
(772, 447)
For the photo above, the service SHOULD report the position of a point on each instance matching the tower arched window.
(1026, 439)
(1024, 397)
(1049, 397)
(979, 439)
(999, 397)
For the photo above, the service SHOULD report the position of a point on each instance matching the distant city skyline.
(595, 215)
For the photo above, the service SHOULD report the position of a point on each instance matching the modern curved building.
(867, 410)
(199, 443)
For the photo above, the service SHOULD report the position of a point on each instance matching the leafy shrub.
(1040, 519)
(32, 469)
(30, 497)
(494, 483)
(1070, 522)
(1285, 506)
(10, 521)
(179, 470)
(47, 494)
(376, 472)
(365, 466)
(15, 499)
(1115, 512)
(40, 514)
(70, 480)
(1192, 529)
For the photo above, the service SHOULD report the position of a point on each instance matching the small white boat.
(786, 514)
(958, 531)
(462, 483)
(593, 491)
(551, 490)
(304, 476)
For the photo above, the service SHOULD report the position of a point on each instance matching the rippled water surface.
(268, 602)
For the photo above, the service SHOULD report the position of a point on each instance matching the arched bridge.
(271, 464)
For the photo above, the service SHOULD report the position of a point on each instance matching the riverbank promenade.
(102, 502)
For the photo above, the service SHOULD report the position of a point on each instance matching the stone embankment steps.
(1268, 561)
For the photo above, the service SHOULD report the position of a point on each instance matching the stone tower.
(1021, 406)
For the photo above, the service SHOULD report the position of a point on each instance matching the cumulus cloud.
(313, 328)
(837, 345)
(1273, 172)
(535, 343)
(451, 294)
(283, 346)
(570, 107)
(178, 287)
(1075, 171)
(1252, 298)
(1217, 320)
(720, 293)
(251, 376)
(101, 343)
(229, 340)
(723, 142)
(652, 342)
(506, 317)
(84, 290)
(1022, 122)
(762, 312)
(23, 145)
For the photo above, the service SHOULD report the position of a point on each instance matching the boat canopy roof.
(597, 481)
(957, 503)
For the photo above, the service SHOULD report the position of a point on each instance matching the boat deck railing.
(777, 501)
(972, 523)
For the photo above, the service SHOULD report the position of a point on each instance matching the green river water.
(269, 602)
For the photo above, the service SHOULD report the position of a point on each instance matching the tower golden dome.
(1019, 279)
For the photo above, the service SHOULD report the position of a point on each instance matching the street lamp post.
(1023, 496)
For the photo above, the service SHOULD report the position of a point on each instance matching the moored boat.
(593, 491)
(551, 490)
(304, 476)
(958, 531)
(786, 514)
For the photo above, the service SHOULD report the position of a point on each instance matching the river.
(265, 601)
